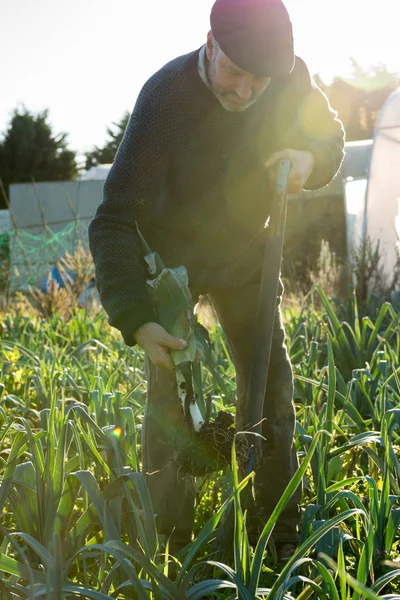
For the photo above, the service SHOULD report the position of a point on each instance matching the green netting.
(4, 246)
(31, 257)
(48, 241)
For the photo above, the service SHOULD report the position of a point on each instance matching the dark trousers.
(173, 492)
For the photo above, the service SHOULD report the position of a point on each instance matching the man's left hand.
(302, 164)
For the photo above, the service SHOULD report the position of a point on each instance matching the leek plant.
(76, 518)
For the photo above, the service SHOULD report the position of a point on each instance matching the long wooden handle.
(267, 304)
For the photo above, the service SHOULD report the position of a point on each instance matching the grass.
(76, 517)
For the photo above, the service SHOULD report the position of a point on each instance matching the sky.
(86, 60)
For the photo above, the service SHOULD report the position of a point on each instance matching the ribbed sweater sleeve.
(315, 127)
(133, 191)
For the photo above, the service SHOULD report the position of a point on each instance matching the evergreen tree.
(30, 151)
(106, 155)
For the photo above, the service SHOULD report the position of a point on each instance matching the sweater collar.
(202, 67)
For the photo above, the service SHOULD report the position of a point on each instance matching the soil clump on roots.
(210, 449)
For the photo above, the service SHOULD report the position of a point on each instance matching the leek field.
(76, 519)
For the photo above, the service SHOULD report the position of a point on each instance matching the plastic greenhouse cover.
(382, 207)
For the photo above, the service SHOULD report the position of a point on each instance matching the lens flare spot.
(117, 432)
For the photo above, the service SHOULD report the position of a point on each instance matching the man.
(192, 171)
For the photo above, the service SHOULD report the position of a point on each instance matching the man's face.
(235, 89)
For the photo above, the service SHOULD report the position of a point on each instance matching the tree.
(360, 98)
(30, 151)
(106, 155)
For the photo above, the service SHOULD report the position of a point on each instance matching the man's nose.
(243, 89)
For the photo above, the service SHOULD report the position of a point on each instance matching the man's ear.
(209, 45)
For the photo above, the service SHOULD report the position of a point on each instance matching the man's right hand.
(156, 342)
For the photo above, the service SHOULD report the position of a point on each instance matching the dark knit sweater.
(191, 175)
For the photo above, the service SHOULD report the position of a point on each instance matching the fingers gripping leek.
(172, 300)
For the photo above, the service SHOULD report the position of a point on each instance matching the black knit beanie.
(255, 34)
